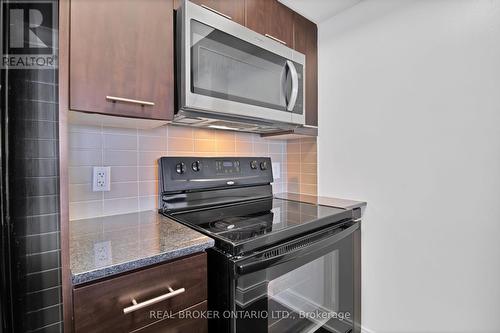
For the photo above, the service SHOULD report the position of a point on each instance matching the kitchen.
(187, 165)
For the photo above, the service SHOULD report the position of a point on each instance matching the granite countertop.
(105, 246)
(324, 201)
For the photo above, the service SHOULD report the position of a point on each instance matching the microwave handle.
(258, 264)
(295, 86)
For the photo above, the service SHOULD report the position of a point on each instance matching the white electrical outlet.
(101, 179)
(276, 170)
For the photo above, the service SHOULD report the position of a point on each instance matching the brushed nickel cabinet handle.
(136, 306)
(275, 39)
(217, 12)
(127, 100)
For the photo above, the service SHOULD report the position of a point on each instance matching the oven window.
(308, 299)
(229, 68)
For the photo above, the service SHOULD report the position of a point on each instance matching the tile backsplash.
(301, 163)
(132, 155)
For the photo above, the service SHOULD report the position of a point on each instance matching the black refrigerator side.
(31, 298)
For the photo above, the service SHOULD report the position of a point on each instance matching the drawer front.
(179, 324)
(99, 307)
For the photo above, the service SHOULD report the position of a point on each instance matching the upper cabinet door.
(121, 58)
(233, 9)
(306, 42)
(270, 18)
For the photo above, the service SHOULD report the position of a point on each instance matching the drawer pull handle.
(275, 39)
(136, 306)
(127, 100)
(217, 12)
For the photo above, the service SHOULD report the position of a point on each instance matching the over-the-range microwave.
(230, 77)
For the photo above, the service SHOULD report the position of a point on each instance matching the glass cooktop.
(261, 222)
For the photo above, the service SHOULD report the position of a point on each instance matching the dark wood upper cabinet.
(122, 58)
(256, 12)
(235, 9)
(270, 18)
(281, 26)
(306, 42)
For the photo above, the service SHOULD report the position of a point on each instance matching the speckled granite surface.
(101, 247)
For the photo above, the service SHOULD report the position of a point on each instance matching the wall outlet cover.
(101, 179)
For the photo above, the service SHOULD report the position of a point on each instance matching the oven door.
(232, 71)
(306, 285)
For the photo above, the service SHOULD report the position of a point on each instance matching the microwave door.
(229, 75)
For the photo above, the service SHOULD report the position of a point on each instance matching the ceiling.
(319, 10)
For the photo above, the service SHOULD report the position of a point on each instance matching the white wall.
(410, 122)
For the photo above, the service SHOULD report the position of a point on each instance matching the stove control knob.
(180, 168)
(263, 165)
(196, 166)
(254, 165)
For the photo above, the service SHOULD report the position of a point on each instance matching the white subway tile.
(120, 206)
(148, 173)
(120, 158)
(83, 192)
(261, 148)
(80, 175)
(122, 190)
(85, 128)
(152, 143)
(85, 140)
(123, 174)
(148, 203)
(120, 142)
(150, 158)
(157, 131)
(85, 209)
(133, 154)
(117, 130)
(246, 137)
(180, 132)
(84, 157)
(147, 188)
(275, 148)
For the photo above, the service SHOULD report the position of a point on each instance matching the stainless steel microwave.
(231, 77)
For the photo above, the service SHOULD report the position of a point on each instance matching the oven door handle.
(257, 263)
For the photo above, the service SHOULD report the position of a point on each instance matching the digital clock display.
(227, 167)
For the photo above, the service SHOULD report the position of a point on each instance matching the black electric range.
(251, 225)
(262, 241)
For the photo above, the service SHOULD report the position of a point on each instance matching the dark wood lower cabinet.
(181, 323)
(99, 307)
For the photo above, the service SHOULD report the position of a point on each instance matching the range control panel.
(191, 173)
(227, 167)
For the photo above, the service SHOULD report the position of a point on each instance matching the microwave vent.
(188, 121)
(236, 125)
